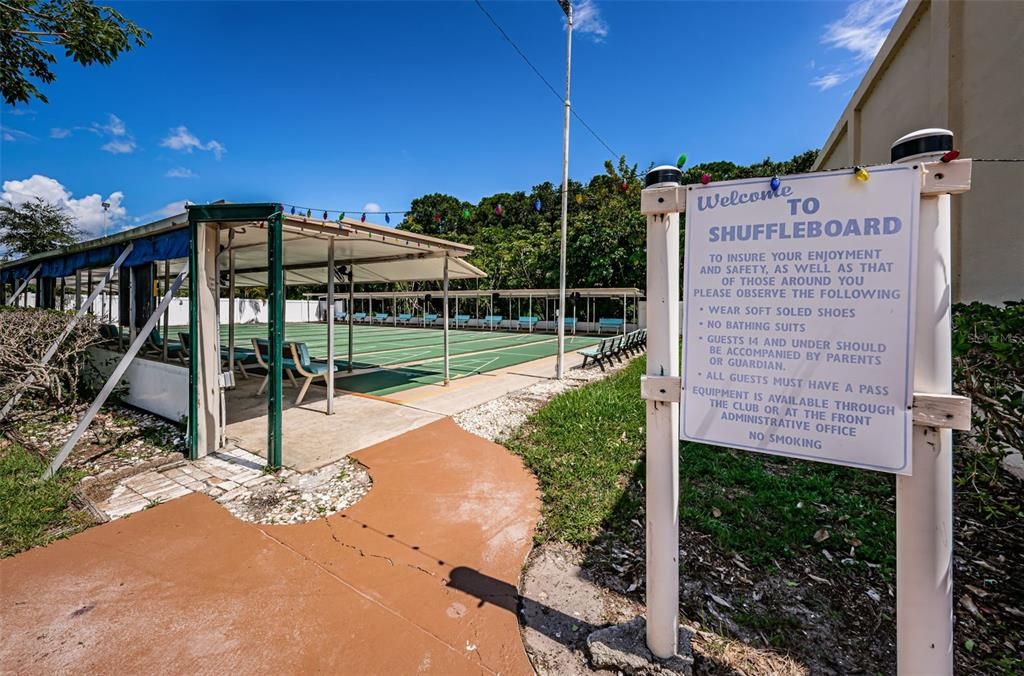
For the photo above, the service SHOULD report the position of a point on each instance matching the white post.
(663, 436)
(560, 316)
(330, 326)
(924, 500)
(350, 309)
(446, 318)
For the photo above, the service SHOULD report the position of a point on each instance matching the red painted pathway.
(418, 577)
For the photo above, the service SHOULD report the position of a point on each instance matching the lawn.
(32, 511)
(803, 552)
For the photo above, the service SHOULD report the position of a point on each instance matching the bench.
(380, 317)
(457, 319)
(490, 321)
(528, 321)
(614, 347)
(359, 317)
(404, 318)
(570, 323)
(429, 319)
(613, 323)
(340, 316)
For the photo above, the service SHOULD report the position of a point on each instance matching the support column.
(330, 326)
(78, 290)
(275, 337)
(167, 312)
(351, 309)
(662, 478)
(88, 289)
(924, 500)
(446, 318)
(231, 301)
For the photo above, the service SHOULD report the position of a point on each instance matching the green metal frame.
(233, 213)
(275, 337)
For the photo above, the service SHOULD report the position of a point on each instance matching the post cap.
(662, 177)
(922, 144)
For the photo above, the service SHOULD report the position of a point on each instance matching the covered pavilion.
(226, 247)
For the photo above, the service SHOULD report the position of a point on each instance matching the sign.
(798, 316)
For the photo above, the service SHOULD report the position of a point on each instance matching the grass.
(33, 512)
(586, 448)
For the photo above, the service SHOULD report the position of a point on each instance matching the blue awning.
(165, 246)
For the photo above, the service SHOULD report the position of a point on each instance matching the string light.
(325, 216)
(293, 211)
(309, 213)
(498, 210)
(465, 213)
(861, 173)
(537, 205)
(775, 183)
(363, 217)
(579, 198)
(705, 178)
(681, 161)
(951, 155)
(387, 218)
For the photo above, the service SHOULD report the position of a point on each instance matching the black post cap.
(665, 175)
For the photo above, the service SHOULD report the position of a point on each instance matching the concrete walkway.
(417, 577)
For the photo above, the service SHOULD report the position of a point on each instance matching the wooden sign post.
(817, 326)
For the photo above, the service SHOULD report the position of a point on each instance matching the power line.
(544, 79)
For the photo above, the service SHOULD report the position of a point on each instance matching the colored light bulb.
(293, 211)
(498, 210)
(705, 178)
(537, 205)
(363, 217)
(775, 183)
(309, 213)
(325, 215)
(465, 213)
(861, 173)
(387, 218)
(625, 185)
(579, 198)
(681, 161)
(951, 155)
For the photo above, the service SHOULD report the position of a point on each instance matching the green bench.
(613, 348)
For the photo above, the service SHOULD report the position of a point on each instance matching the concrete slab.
(312, 438)
(418, 577)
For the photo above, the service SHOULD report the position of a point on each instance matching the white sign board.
(798, 316)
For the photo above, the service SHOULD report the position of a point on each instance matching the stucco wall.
(958, 65)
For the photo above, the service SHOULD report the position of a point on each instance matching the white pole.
(446, 318)
(330, 326)
(560, 370)
(924, 500)
(663, 436)
(231, 303)
(350, 309)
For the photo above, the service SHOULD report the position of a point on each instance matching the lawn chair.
(308, 368)
(155, 343)
(243, 355)
(261, 350)
(109, 332)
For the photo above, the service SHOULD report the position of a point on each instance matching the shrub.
(25, 334)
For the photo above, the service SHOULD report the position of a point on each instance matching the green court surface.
(414, 355)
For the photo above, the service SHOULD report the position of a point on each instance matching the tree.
(35, 226)
(29, 29)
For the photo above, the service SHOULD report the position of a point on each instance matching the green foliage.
(606, 233)
(33, 511)
(35, 226)
(988, 367)
(31, 29)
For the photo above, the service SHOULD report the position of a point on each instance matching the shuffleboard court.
(408, 357)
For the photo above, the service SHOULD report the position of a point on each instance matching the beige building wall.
(958, 65)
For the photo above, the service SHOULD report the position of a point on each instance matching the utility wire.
(544, 79)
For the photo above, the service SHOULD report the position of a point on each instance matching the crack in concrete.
(353, 547)
(372, 600)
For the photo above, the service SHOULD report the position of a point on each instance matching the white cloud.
(59, 132)
(171, 209)
(119, 142)
(587, 19)
(119, 146)
(87, 211)
(829, 80)
(181, 138)
(10, 134)
(371, 207)
(113, 127)
(863, 28)
(181, 172)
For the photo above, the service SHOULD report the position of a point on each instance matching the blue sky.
(352, 105)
